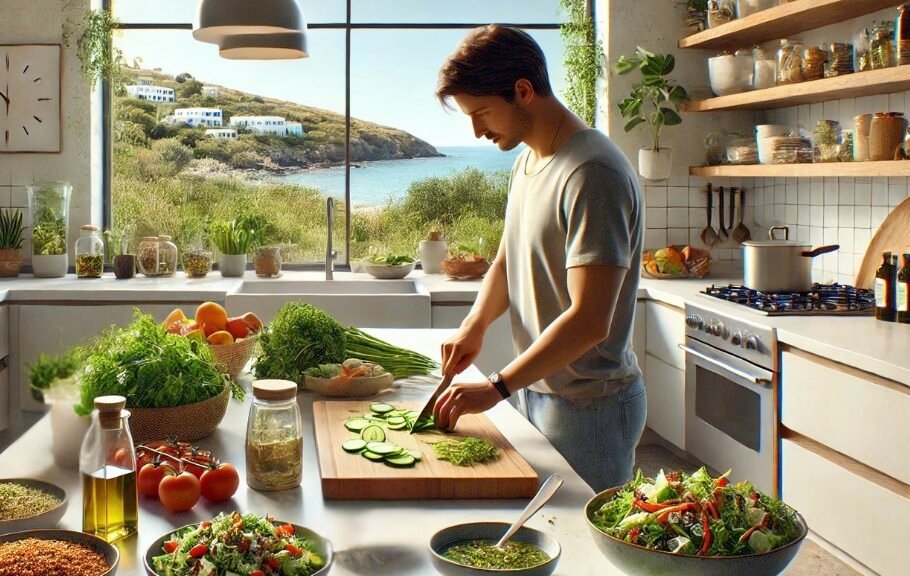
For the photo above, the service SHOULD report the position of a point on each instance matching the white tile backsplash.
(678, 196)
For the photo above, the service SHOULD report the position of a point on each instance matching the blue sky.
(393, 71)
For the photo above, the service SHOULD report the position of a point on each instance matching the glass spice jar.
(197, 262)
(862, 51)
(274, 442)
(789, 62)
(167, 256)
(813, 63)
(882, 45)
(268, 261)
(89, 253)
(826, 137)
(148, 255)
(840, 61)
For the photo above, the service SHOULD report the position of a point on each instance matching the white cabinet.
(497, 349)
(666, 330)
(665, 386)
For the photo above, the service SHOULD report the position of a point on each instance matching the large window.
(198, 139)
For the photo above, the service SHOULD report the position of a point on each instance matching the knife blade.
(428, 407)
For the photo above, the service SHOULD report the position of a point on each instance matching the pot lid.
(777, 243)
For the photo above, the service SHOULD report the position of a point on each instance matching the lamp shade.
(286, 46)
(219, 19)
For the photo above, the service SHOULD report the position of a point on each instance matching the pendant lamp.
(286, 46)
(219, 19)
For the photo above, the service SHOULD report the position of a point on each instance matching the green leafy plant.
(468, 250)
(584, 61)
(390, 259)
(655, 100)
(54, 375)
(234, 237)
(49, 238)
(10, 229)
(100, 59)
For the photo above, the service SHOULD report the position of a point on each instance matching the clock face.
(30, 98)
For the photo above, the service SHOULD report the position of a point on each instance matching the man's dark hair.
(489, 61)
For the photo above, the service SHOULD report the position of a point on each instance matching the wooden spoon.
(709, 234)
(741, 233)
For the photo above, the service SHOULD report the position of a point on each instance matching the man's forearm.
(492, 299)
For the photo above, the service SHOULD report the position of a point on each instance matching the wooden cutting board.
(353, 477)
(893, 234)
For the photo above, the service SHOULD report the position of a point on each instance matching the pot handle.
(786, 230)
(820, 250)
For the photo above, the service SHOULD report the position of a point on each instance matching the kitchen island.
(370, 537)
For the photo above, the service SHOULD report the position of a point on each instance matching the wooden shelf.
(831, 169)
(782, 21)
(855, 85)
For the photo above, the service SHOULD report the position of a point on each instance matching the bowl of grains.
(27, 504)
(57, 553)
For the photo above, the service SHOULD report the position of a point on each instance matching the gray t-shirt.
(582, 208)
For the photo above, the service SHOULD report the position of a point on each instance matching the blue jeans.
(597, 436)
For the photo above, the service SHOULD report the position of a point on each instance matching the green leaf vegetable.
(151, 368)
(465, 451)
(302, 336)
(391, 259)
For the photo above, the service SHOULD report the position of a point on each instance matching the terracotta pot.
(125, 266)
(10, 262)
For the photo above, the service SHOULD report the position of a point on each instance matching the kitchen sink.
(363, 303)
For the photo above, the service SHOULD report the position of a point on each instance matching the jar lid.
(110, 403)
(164, 238)
(149, 239)
(274, 389)
(89, 227)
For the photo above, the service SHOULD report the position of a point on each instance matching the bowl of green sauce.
(470, 550)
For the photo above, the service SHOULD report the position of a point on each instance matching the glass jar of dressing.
(274, 443)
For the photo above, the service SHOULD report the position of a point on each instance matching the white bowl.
(387, 271)
(729, 74)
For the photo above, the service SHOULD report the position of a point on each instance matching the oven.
(731, 396)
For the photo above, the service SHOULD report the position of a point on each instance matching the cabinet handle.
(714, 361)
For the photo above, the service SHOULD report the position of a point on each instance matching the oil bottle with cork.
(107, 463)
(903, 290)
(885, 292)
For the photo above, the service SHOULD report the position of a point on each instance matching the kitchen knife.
(428, 407)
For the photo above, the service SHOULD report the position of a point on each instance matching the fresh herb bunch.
(49, 238)
(465, 451)
(234, 237)
(391, 259)
(151, 368)
(10, 229)
(49, 371)
(302, 336)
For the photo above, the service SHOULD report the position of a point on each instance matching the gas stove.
(821, 300)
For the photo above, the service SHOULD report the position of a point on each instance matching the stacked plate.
(790, 150)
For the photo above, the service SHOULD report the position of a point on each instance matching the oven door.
(731, 415)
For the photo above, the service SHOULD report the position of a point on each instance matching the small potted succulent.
(433, 250)
(124, 262)
(10, 242)
(234, 240)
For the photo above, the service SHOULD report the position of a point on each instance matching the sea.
(375, 183)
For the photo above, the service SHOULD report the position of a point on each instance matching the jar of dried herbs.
(89, 253)
(274, 443)
(197, 262)
(148, 255)
(881, 45)
(827, 141)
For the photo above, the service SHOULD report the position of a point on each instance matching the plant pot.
(655, 165)
(125, 266)
(267, 262)
(10, 262)
(67, 431)
(432, 252)
(233, 265)
(49, 266)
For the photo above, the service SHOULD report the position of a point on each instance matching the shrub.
(173, 155)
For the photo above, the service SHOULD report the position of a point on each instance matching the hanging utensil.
(709, 234)
(732, 214)
(741, 232)
(720, 215)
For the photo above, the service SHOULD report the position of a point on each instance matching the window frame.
(348, 27)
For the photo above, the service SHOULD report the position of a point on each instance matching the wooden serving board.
(353, 477)
(893, 235)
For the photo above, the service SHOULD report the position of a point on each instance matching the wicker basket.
(698, 267)
(233, 358)
(10, 262)
(188, 423)
(465, 269)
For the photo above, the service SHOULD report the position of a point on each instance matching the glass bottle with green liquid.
(107, 463)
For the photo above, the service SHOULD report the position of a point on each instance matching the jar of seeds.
(789, 62)
(148, 255)
(89, 253)
(197, 262)
(813, 63)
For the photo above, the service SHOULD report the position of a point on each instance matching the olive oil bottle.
(903, 291)
(885, 297)
(110, 503)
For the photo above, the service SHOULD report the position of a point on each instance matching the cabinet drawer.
(858, 414)
(666, 389)
(864, 519)
(4, 331)
(666, 329)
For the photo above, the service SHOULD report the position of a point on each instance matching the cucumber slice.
(384, 448)
(372, 456)
(356, 424)
(395, 420)
(415, 454)
(401, 426)
(405, 461)
(381, 407)
(354, 445)
(373, 433)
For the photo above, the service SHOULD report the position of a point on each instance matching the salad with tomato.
(238, 545)
(697, 515)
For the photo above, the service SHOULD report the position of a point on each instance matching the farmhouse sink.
(362, 303)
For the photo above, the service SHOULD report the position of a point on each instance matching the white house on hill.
(295, 129)
(272, 125)
(197, 117)
(221, 133)
(152, 93)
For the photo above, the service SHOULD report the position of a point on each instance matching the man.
(567, 269)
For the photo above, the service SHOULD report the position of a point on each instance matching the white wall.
(41, 22)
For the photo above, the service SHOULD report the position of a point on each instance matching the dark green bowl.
(639, 561)
(446, 537)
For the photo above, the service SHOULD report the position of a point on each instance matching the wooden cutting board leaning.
(893, 235)
(347, 476)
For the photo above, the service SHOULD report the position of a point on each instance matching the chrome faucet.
(330, 254)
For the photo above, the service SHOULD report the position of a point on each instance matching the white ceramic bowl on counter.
(731, 74)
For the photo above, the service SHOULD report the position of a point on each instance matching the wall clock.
(30, 98)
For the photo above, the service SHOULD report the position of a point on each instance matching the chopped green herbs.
(485, 554)
(20, 501)
(465, 451)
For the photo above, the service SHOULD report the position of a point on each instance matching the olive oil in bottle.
(885, 297)
(903, 291)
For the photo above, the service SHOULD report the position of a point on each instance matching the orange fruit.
(253, 322)
(196, 334)
(220, 338)
(189, 326)
(212, 314)
(174, 321)
(238, 328)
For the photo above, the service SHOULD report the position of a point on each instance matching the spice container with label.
(885, 293)
(789, 62)
(89, 253)
(274, 443)
(903, 291)
(197, 262)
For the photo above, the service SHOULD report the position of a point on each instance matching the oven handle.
(745, 375)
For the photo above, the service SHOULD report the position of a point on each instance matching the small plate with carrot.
(352, 378)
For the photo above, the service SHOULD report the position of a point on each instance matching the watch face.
(29, 98)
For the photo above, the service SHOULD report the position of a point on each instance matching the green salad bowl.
(635, 560)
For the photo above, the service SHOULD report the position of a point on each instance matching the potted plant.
(466, 261)
(124, 262)
(432, 251)
(10, 242)
(49, 205)
(234, 240)
(654, 102)
(54, 380)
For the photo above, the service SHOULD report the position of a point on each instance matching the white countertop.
(370, 537)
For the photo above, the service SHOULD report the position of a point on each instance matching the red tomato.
(722, 482)
(179, 492)
(272, 563)
(205, 524)
(219, 483)
(257, 573)
(284, 530)
(244, 545)
(170, 546)
(150, 477)
(293, 550)
(194, 468)
(198, 551)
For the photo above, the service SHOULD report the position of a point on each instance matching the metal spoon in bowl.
(545, 493)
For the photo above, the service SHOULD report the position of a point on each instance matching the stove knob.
(753, 343)
(736, 338)
(716, 328)
(693, 321)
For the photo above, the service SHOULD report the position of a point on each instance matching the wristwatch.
(496, 380)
